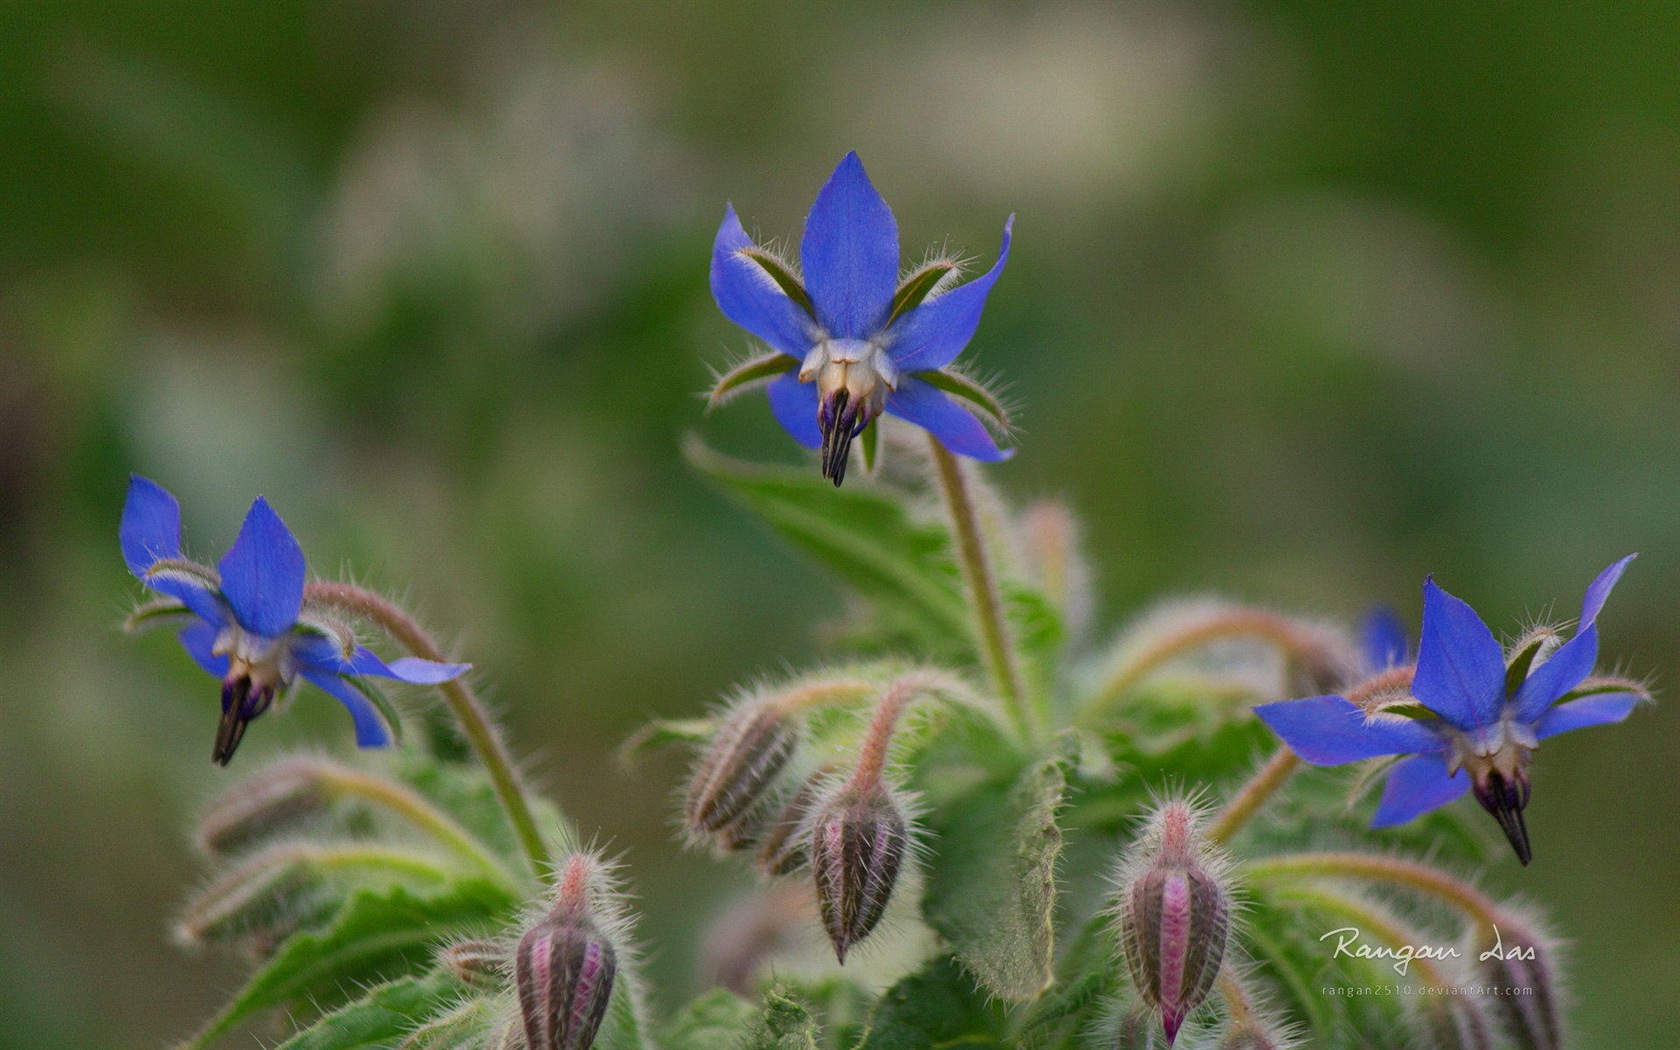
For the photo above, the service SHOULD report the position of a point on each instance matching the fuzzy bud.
(782, 846)
(1174, 912)
(1457, 1023)
(564, 968)
(481, 964)
(262, 806)
(1519, 966)
(858, 838)
(1133, 1030)
(737, 769)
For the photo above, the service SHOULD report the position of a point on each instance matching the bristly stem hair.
(997, 648)
(469, 710)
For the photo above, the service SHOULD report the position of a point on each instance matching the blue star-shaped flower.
(249, 625)
(1482, 716)
(851, 341)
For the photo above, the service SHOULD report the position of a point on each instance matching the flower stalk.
(997, 647)
(476, 723)
(1395, 871)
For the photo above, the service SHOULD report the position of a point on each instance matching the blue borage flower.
(250, 625)
(851, 340)
(1482, 714)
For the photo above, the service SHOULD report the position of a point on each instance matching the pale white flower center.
(265, 661)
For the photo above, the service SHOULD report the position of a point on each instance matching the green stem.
(1396, 871)
(470, 712)
(1265, 783)
(997, 649)
(421, 813)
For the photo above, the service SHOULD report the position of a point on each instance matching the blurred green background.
(1307, 300)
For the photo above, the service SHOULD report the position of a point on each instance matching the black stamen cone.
(240, 704)
(1505, 800)
(840, 422)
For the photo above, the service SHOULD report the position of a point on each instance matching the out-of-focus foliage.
(1307, 300)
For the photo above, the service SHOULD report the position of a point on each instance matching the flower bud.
(564, 967)
(737, 769)
(858, 837)
(1457, 1023)
(481, 964)
(262, 806)
(1174, 913)
(1518, 965)
(782, 845)
(1132, 1030)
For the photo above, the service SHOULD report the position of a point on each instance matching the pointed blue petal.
(1382, 638)
(935, 332)
(151, 525)
(1460, 668)
(409, 669)
(1596, 710)
(749, 297)
(1416, 786)
(1562, 671)
(1329, 730)
(795, 407)
(198, 639)
(371, 730)
(263, 573)
(921, 403)
(850, 253)
(1599, 590)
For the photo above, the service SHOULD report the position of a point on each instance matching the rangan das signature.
(1349, 943)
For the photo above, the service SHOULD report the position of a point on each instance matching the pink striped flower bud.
(1174, 915)
(857, 841)
(736, 771)
(564, 967)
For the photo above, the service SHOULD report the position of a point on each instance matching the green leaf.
(936, 1007)
(867, 537)
(714, 1021)
(382, 1018)
(991, 889)
(744, 375)
(159, 612)
(377, 934)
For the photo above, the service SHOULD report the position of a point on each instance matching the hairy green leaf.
(384, 1017)
(973, 393)
(991, 889)
(785, 1024)
(938, 1006)
(867, 537)
(919, 286)
(784, 277)
(745, 375)
(377, 934)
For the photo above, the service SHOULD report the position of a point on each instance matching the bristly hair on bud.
(1173, 912)
(859, 833)
(1519, 957)
(735, 773)
(567, 961)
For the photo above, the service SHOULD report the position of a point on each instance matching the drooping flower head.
(250, 626)
(849, 339)
(1479, 713)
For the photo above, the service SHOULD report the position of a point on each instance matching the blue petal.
(1329, 730)
(263, 573)
(795, 406)
(371, 730)
(1460, 668)
(749, 297)
(151, 525)
(1416, 786)
(1596, 710)
(923, 404)
(205, 602)
(198, 639)
(1382, 637)
(409, 669)
(1561, 672)
(1599, 590)
(850, 253)
(935, 332)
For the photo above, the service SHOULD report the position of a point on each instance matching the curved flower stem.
(1238, 1003)
(1385, 927)
(1309, 647)
(1284, 762)
(469, 711)
(1264, 784)
(997, 648)
(1396, 871)
(416, 810)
